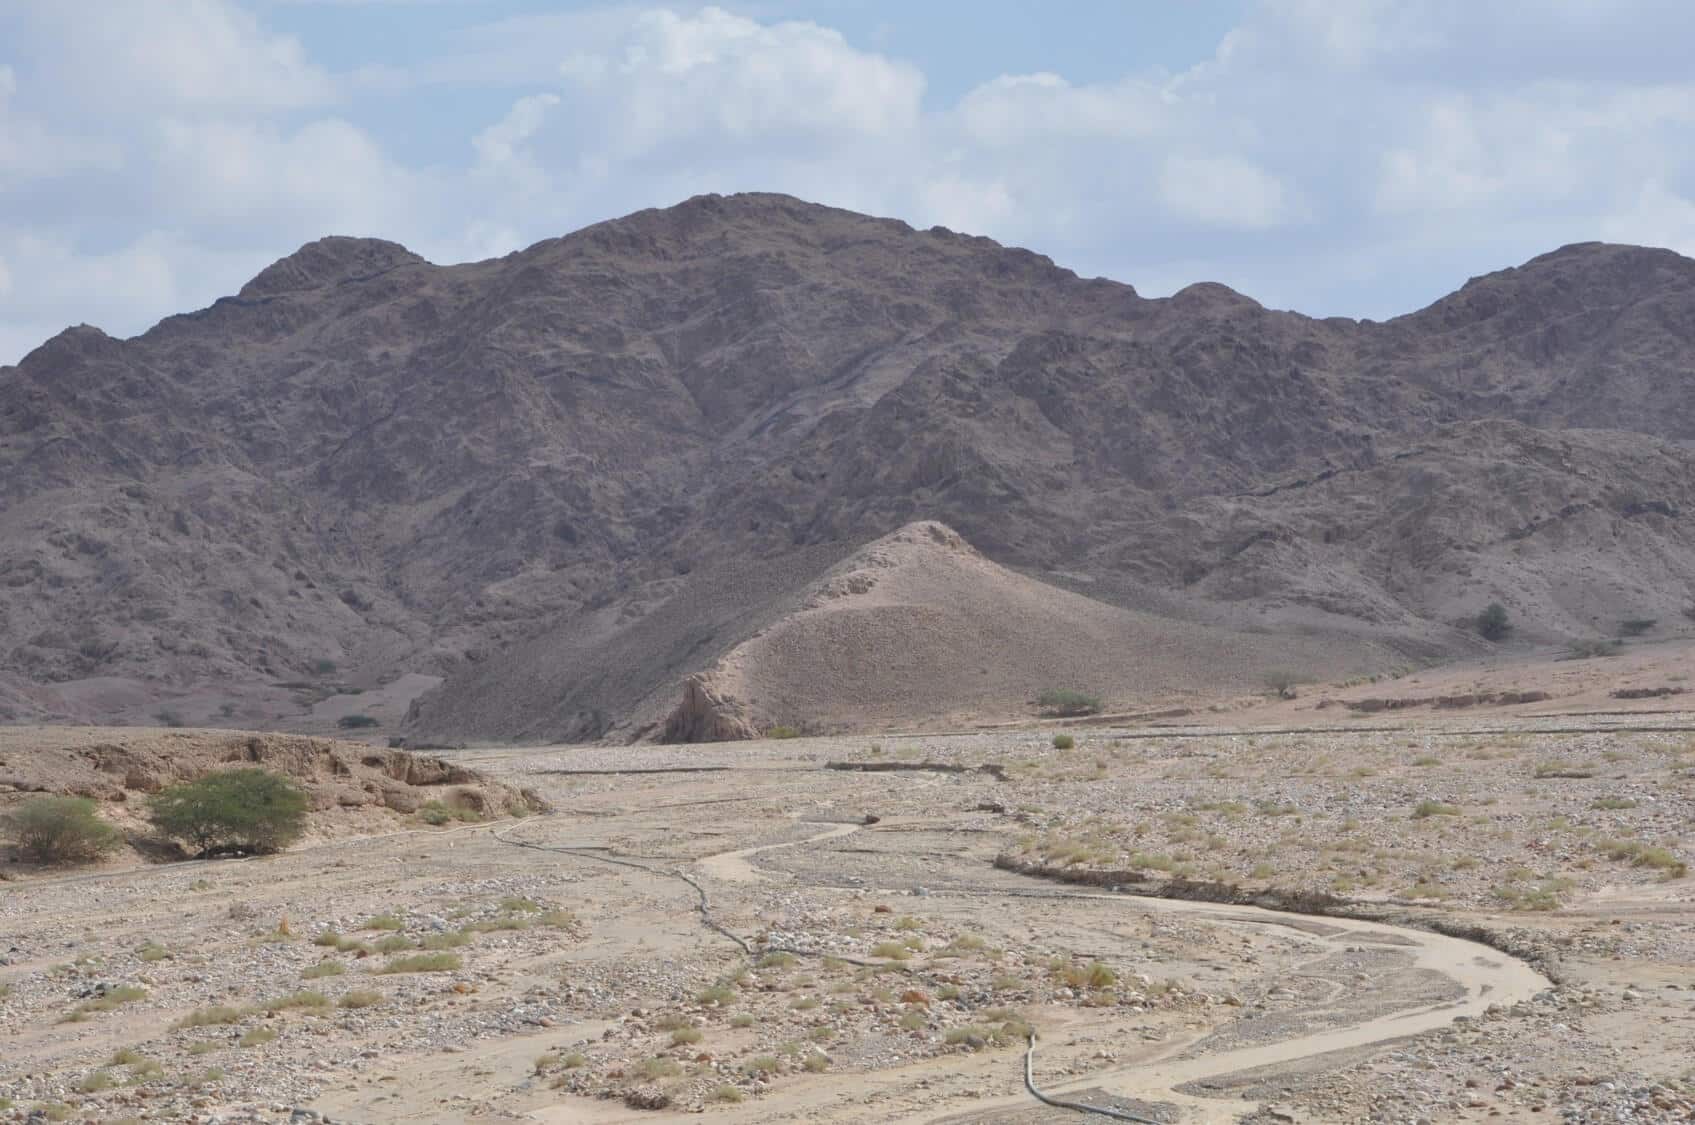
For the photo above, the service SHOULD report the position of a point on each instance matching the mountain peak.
(330, 261)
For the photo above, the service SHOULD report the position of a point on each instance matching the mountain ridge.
(366, 460)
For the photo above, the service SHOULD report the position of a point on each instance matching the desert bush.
(1283, 683)
(1586, 648)
(1636, 626)
(357, 722)
(215, 1016)
(1425, 809)
(169, 718)
(1640, 854)
(323, 667)
(686, 1036)
(1063, 742)
(782, 731)
(423, 963)
(436, 813)
(258, 1037)
(727, 1094)
(360, 998)
(298, 1000)
(247, 809)
(323, 969)
(60, 830)
(106, 1001)
(1064, 701)
(656, 1068)
(1492, 624)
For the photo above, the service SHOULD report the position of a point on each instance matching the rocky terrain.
(634, 451)
(1364, 917)
(351, 788)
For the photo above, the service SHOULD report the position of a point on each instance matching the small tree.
(249, 809)
(60, 830)
(1492, 624)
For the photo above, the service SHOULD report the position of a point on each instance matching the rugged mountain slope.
(367, 462)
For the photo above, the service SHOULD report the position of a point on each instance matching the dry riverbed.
(867, 959)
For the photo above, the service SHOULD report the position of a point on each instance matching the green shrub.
(423, 963)
(105, 1002)
(1064, 701)
(60, 830)
(215, 1016)
(247, 809)
(1587, 648)
(306, 1000)
(1640, 854)
(1492, 623)
(1425, 809)
(782, 731)
(1636, 626)
(323, 969)
(1063, 742)
(656, 1068)
(360, 998)
(357, 722)
(1284, 684)
(438, 814)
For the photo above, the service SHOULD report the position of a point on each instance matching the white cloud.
(1222, 191)
(137, 56)
(1354, 156)
(325, 177)
(1657, 216)
(502, 150)
(716, 77)
(1021, 109)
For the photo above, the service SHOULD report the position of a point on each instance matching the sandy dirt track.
(582, 988)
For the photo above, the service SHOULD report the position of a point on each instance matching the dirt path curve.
(733, 867)
(1486, 975)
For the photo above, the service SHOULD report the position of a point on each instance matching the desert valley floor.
(1299, 916)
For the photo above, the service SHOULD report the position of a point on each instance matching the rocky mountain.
(629, 450)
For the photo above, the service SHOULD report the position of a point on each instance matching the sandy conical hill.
(918, 627)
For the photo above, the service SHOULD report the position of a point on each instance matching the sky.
(1339, 157)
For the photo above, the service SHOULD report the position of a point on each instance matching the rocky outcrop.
(706, 714)
(128, 765)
